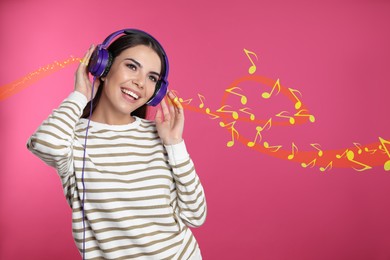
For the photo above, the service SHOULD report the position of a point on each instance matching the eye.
(153, 78)
(131, 66)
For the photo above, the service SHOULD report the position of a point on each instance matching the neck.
(105, 116)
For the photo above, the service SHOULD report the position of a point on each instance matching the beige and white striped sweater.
(140, 196)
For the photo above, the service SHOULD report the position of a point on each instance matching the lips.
(130, 93)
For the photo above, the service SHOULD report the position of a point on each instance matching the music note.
(213, 116)
(222, 110)
(311, 164)
(372, 151)
(339, 156)
(258, 134)
(330, 165)
(267, 125)
(187, 101)
(243, 98)
(300, 113)
(202, 98)
(252, 69)
(298, 102)
(275, 147)
(291, 119)
(350, 157)
(358, 146)
(294, 149)
(317, 147)
(267, 95)
(244, 110)
(233, 131)
(387, 163)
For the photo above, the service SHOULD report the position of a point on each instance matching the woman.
(130, 182)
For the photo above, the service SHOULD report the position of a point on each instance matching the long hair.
(129, 40)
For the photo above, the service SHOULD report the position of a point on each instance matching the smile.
(130, 93)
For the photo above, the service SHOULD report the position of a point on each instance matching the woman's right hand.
(83, 83)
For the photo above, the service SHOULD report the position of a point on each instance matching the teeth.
(130, 93)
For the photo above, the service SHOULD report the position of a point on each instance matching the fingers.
(85, 60)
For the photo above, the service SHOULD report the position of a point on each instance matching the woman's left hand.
(170, 120)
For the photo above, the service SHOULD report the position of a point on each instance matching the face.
(131, 81)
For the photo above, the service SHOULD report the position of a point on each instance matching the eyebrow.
(140, 65)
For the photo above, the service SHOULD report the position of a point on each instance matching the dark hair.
(129, 40)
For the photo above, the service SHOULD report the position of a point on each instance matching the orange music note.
(298, 104)
(233, 131)
(244, 110)
(317, 147)
(252, 69)
(258, 134)
(275, 147)
(243, 98)
(291, 119)
(387, 163)
(350, 157)
(311, 164)
(330, 165)
(294, 149)
(202, 98)
(222, 110)
(300, 113)
(267, 95)
(358, 146)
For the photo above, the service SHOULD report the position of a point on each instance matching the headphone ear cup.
(98, 62)
(108, 65)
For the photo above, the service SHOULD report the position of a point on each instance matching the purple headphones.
(101, 61)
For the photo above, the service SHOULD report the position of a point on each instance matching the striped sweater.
(140, 196)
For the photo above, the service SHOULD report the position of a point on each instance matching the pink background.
(336, 53)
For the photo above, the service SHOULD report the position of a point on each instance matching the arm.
(188, 199)
(53, 140)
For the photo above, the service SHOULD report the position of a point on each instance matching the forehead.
(145, 55)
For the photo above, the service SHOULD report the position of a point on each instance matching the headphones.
(101, 61)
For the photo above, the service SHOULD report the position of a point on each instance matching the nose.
(139, 80)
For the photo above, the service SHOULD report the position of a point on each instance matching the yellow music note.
(372, 151)
(350, 157)
(358, 146)
(300, 113)
(267, 95)
(187, 101)
(339, 156)
(330, 165)
(267, 125)
(243, 98)
(258, 134)
(298, 102)
(233, 131)
(213, 116)
(317, 147)
(252, 69)
(291, 119)
(244, 110)
(294, 149)
(275, 147)
(202, 98)
(222, 110)
(311, 164)
(387, 163)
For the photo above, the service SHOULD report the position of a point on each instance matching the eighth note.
(267, 95)
(252, 69)
(294, 149)
(243, 98)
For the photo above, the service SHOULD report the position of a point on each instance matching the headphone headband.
(101, 61)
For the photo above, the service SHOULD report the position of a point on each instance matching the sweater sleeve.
(188, 198)
(52, 142)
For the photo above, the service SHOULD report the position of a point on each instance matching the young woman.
(130, 182)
